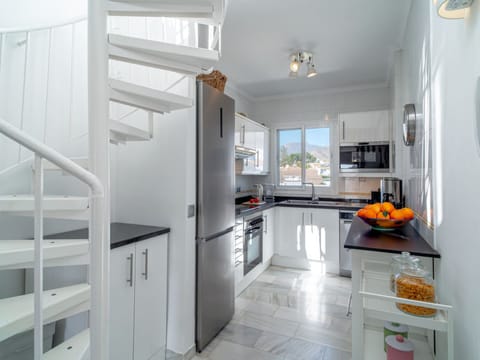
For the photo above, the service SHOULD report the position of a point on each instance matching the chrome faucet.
(313, 190)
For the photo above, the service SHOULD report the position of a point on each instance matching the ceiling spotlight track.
(297, 59)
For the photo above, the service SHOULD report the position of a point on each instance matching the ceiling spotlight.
(311, 71)
(294, 64)
(299, 58)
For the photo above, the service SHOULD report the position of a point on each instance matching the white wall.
(455, 75)
(156, 182)
(313, 108)
(26, 13)
(411, 85)
(439, 71)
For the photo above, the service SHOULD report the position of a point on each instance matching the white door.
(151, 298)
(268, 233)
(290, 237)
(122, 293)
(322, 238)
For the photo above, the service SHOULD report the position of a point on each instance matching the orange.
(408, 213)
(387, 206)
(397, 215)
(383, 215)
(375, 207)
(370, 214)
(361, 213)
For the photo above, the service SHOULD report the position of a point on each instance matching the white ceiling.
(352, 40)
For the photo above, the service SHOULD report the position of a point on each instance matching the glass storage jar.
(415, 283)
(399, 262)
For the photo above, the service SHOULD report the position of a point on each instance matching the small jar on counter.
(399, 262)
(415, 283)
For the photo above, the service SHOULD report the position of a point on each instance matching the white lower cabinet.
(138, 300)
(268, 234)
(307, 234)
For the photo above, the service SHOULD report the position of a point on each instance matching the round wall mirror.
(409, 124)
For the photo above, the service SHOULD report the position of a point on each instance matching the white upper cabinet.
(255, 136)
(364, 126)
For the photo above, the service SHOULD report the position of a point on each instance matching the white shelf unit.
(372, 299)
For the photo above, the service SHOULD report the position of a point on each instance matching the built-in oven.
(365, 157)
(253, 243)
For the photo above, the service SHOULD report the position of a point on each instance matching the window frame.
(332, 124)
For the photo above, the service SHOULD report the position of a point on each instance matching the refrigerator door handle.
(221, 122)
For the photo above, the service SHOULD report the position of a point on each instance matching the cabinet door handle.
(146, 264)
(311, 222)
(242, 137)
(303, 219)
(265, 224)
(343, 130)
(130, 280)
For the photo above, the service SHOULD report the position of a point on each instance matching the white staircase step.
(182, 59)
(19, 254)
(146, 98)
(48, 166)
(13, 203)
(75, 348)
(188, 9)
(17, 313)
(121, 133)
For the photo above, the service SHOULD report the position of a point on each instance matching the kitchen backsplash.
(244, 184)
(357, 187)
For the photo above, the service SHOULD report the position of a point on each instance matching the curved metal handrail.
(53, 156)
(71, 21)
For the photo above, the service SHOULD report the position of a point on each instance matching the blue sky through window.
(316, 136)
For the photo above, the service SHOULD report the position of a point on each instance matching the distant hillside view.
(317, 160)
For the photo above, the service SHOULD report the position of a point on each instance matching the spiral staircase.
(31, 311)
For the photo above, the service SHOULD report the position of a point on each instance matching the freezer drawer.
(215, 287)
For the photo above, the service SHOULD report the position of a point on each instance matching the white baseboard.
(251, 276)
(291, 262)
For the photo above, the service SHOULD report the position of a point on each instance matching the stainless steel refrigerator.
(215, 296)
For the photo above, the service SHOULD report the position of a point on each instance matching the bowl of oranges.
(384, 216)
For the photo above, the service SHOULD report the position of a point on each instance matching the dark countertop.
(339, 204)
(362, 237)
(246, 210)
(120, 233)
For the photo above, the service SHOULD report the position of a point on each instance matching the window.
(304, 156)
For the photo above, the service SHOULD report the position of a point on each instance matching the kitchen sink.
(311, 202)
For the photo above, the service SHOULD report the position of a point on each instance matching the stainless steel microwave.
(365, 157)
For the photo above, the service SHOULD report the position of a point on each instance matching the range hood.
(242, 152)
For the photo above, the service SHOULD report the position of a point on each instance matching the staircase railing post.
(98, 117)
(38, 265)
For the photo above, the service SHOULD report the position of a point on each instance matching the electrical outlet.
(191, 211)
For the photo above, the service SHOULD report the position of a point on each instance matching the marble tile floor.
(287, 314)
